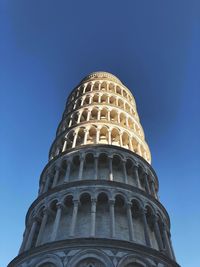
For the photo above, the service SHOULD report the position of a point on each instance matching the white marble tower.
(98, 204)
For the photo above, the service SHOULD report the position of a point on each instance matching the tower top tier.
(102, 75)
(101, 110)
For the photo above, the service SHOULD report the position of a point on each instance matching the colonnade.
(100, 134)
(110, 87)
(101, 98)
(89, 166)
(107, 114)
(131, 211)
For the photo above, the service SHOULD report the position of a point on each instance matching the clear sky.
(152, 46)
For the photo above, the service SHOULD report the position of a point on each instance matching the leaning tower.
(98, 200)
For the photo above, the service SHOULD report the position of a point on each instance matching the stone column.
(56, 176)
(85, 136)
(136, 175)
(88, 115)
(41, 187)
(79, 118)
(146, 232)
(99, 114)
(31, 233)
(130, 144)
(57, 221)
(153, 189)
(74, 140)
(108, 113)
(146, 183)
(112, 217)
(46, 187)
(93, 217)
(96, 167)
(109, 137)
(42, 226)
(82, 159)
(64, 145)
(97, 135)
(158, 234)
(120, 139)
(110, 168)
(167, 243)
(124, 171)
(66, 179)
(130, 220)
(74, 217)
(139, 150)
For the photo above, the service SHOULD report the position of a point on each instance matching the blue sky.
(152, 46)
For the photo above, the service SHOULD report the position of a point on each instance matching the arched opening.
(103, 170)
(88, 171)
(104, 99)
(118, 174)
(135, 145)
(80, 137)
(104, 114)
(125, 140)
(127, 107)
(137, 222)
(94, 114)
(74, 169)
(65, 221)
(102, 216)
(123, 119)
(114, 116)
(103, 137)
(70, 138)
(130, 123)
(115, 137)
(84, 216)
(120, 103)
(84, 115)
(121, 222)
(118, 90)
(87, 100)
(96, 86)
(103, 86)
(129, 172)
(91, 138)
(113, 100)
(88, 88)
(125, 94)
(111, 88)
(96, 99)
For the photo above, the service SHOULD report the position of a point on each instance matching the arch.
(104, 99)
(96, 86)
(88, 170)
(86, 100)
(103, 86)
(103, 136)
(74, 170)
(125, 140)
(118, 90)
(102, 215)
(88, 87)
(115, 137)
(94, 114)
(83, 116)
(133, 261)
(42, 261)
(111, 87)
(103, 170)
(120, 103)
(114, 116)
(121, 222)
(104, 114)
(95, 254)
(95, 98)
(113, 100)
(91, 138)
(70, 138)
(80, 136)
(117, 169)
(84, 215)
(122, 119)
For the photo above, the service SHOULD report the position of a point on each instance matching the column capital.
(59, 205)
(128, 204)
(93, 200)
